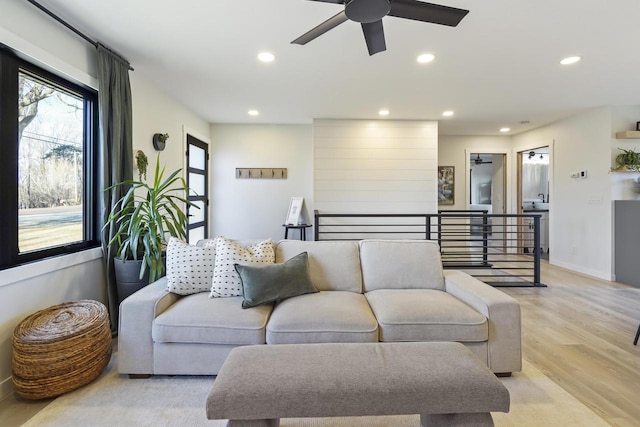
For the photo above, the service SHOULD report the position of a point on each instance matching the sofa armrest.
(137, 312)
(503, 314)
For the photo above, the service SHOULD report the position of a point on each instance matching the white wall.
(378, 166)
(580, 211)
(154, 112)
(41, 39)
(29, 288)
(257, 208)
(455, 151)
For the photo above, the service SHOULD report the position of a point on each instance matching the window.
(48, 136)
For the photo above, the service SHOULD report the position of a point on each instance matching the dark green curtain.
(116, 132)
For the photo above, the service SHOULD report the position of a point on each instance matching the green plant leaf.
(145, 215)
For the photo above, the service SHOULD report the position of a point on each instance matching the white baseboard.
(587, 271)
(6, 388)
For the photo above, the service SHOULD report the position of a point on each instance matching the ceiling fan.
(370, 13)
(480, 161)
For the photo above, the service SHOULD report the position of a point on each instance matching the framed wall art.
(295, 211)
(446, 188)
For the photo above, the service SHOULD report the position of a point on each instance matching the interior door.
(498, 203)
(198, 182)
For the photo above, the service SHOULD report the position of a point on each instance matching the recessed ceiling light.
(266, 56)
(570, 60)
(426, 58)
(505, 129)
(447, 113)
(253, 112)
(383, 112)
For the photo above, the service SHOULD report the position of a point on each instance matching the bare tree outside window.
(50, 165)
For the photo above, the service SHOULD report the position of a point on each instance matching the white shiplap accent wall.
(375, 166)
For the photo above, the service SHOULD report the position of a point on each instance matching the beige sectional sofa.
(372, 290)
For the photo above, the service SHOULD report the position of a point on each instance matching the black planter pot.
(128, 277)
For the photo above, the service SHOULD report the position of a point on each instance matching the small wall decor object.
(141, 164)
(295, 211)
(261, 173)
(160, 140)
(446, 188)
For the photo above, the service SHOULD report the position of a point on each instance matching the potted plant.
(628, 160)
(143, 219)
(160, 140)
(141, 164)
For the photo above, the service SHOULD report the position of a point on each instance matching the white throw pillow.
(226, 282)
(189, 267)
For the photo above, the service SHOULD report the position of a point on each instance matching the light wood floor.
(579, 332)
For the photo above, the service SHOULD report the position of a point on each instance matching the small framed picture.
(295, 209)
(637, 125)
(446, 188)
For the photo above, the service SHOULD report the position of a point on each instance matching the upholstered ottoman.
(60, 348)
(443, 382)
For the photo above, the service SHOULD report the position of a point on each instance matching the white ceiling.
(499, 67)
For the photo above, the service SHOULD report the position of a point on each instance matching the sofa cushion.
(333, 266)
(271, 283)
(189, 267)
(401, 264)
(334, 316)
(426, 315)
(226, 282)
(198, 319)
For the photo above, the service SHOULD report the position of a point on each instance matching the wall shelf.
(628, 134)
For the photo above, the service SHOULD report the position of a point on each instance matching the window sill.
(46, 266)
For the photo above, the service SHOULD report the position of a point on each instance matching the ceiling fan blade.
(374, 35)
(427, 12)
(322, 28)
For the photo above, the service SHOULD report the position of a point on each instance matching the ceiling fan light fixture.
(366, 11)
(425, 58)
(370, 13)
(570, 60)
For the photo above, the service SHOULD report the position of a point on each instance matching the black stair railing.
(499, 249)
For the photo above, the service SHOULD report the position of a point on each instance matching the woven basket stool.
(60, 348)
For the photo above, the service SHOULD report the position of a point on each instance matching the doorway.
(533, 191)
(487, 189)
(198, 183)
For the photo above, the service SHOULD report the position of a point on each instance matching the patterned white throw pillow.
(189, 267)
(226, 282)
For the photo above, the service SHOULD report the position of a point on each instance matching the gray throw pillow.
(269, 283)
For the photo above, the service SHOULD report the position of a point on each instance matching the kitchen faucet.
(541, 194)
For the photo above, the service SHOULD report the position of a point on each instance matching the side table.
(301, 227)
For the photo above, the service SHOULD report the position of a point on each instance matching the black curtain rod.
(69, 26)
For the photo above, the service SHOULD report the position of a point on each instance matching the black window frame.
(10, 67)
